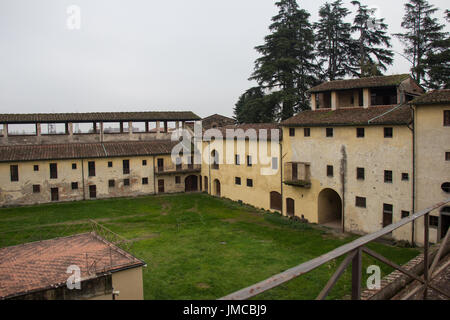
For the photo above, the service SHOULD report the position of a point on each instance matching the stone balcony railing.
(184, 168)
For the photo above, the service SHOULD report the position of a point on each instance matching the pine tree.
(254, 106)
(422, 33)
(373, 54)
(334, 42)
(437, 62)
(287, 67)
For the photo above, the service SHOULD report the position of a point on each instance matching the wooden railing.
(354, 251)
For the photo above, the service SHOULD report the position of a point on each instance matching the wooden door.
(161, 186)
(275, 201)
(290, 207)
(92, 192)
(55, 194)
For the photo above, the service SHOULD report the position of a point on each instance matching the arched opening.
(290, 207)
(217, 187)
(275, 201)
(206, 184)
(191, 184)
(330, 208)
(445, 221)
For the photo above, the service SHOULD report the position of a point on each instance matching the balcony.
(297, 174)
(181, 168)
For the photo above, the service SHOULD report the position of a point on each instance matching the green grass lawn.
(200, 247)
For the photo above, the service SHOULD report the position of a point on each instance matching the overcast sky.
(136, 55)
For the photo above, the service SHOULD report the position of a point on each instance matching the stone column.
(313, 102)
(334, 101)
(366, 98)
(130, 127)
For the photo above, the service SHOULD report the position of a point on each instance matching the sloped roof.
(370, 82)
(98, 116)
(433, 97)
(84, 150)
(43, 265)
(242, 131)
(379, 115)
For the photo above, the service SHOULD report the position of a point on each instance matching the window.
(249, 161)
(360, 173)
(74, 166)
(144, 163)
(126, 166)
(249, 182)
(447, 156)
(36, 188)
(330, 132)
(405, 214)
(388, 132)
(111, 183)
(360, 132)
(237, 181)
(36, 168)
(237, 159)
(446, 187)
(405, 176)
(388, 210)
(434, 222)
(361, 202)
(291, 132)
(307, 132)
(274, 163)
(14, 173)
(447, 118)
(53, 171)
(177, 179)
(126, 182)
(110, 164)
(144, 181)
(91, 168)
(330, 171)
(74, 185)
(387, 176)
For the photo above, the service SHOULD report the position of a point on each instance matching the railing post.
(425, 253)
(356, 275)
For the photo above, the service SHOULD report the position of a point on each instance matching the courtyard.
(200, 247)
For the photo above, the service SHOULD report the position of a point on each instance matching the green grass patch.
(200, 247)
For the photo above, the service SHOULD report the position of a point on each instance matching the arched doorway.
(330, 208)
(275, 201)
(217, 187)
(191, 184)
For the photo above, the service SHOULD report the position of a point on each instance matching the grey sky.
(141, 54)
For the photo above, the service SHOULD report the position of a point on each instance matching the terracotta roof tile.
(98, 116)
(85, 150)
(41, 265)
(371, 82)
(379, 115)
(433, 97)
(241, 129)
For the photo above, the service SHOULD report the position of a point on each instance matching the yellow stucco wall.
(264, 179)
(374, 153)
(433, 141)
(129, 283)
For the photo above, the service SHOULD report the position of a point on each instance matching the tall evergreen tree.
(373, 44)
(437, 62)
(254, 106)
(334, 42)
(287, 67)
(422, 33)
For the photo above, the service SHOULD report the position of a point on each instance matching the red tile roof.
(433, 97)
(379, 115)
(241, 130)
(42, 265)
(85, 150)
(98, 116)
(371, 82)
